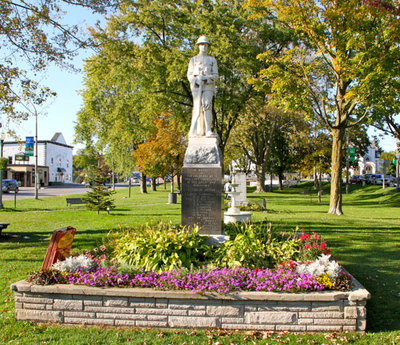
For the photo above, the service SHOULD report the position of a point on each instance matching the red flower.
(304, 237)
(315, 246)
(307, 246)
(317, 237)
(322, 246)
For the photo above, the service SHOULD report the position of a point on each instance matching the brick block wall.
(265, 311)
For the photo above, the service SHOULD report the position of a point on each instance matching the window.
(67, 164)
(52, 160)
(9, 160)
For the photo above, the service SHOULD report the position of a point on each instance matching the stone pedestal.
(241, 217)
(240, 179)
(202, 185)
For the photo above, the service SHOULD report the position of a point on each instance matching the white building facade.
(370, 163)
(54, 162)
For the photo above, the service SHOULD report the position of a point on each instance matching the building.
(370, 163)
(54, 162)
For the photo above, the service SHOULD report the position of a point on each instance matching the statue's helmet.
(202, 40)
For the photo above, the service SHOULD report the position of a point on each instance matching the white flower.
(71, 264)
(323, 264)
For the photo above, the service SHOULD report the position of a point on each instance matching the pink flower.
(307, 246)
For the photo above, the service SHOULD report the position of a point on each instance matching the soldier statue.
(202, 74)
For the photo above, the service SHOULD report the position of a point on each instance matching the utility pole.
(36, 157)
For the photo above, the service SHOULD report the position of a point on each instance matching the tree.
(33, 35)
(390, 157)
(164, 150)
(141, 66)
(289, 144)
(346, 52)
(255, 135)
(99, 197)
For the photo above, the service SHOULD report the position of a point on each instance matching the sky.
(60, 114)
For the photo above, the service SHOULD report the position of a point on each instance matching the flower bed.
(256, 280)
(146, 307)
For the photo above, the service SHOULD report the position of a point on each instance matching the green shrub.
(255, 246)
(244, 250)
(161, 247)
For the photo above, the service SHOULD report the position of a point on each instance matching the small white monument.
(240, 179)
(234, 215)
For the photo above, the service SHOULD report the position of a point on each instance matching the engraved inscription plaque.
(201, 198)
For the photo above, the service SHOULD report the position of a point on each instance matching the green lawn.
(366, 239)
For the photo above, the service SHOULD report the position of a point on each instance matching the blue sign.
(29, 143)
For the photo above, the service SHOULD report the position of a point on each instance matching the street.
(29, 192)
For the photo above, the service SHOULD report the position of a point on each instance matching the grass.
(366, 239)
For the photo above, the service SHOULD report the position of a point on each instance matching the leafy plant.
(48, 276)
(245, 250)
(161, 247)
(256, 246)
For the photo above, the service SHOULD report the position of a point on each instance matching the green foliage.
(161, 247)
(99, 197)
(141, 67)
(33, 35)
(3, 163)
(342, 70)
(245, 250)
(255, 246)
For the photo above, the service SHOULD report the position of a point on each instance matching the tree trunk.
(270, 181)
(130, 186)
(178, 179)
(153, 184)
(280, 177)
(335, 203)
(315, 177)
(172, 183)
(165, 182)
(143, 186)
(260, 173)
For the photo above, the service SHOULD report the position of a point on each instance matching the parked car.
(357, 179)
(389, 180)
(10, 185)
(369, 178)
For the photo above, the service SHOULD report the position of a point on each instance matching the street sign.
(29, 143)
(352, 154)
(21, 157)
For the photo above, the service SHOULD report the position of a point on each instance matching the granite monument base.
(201, 198)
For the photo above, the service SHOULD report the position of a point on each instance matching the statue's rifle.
(199, 117)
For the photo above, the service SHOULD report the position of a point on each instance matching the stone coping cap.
(358, 293)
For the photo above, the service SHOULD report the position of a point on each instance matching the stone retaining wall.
(135, 307)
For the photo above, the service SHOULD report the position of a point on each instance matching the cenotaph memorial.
(202, 167)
